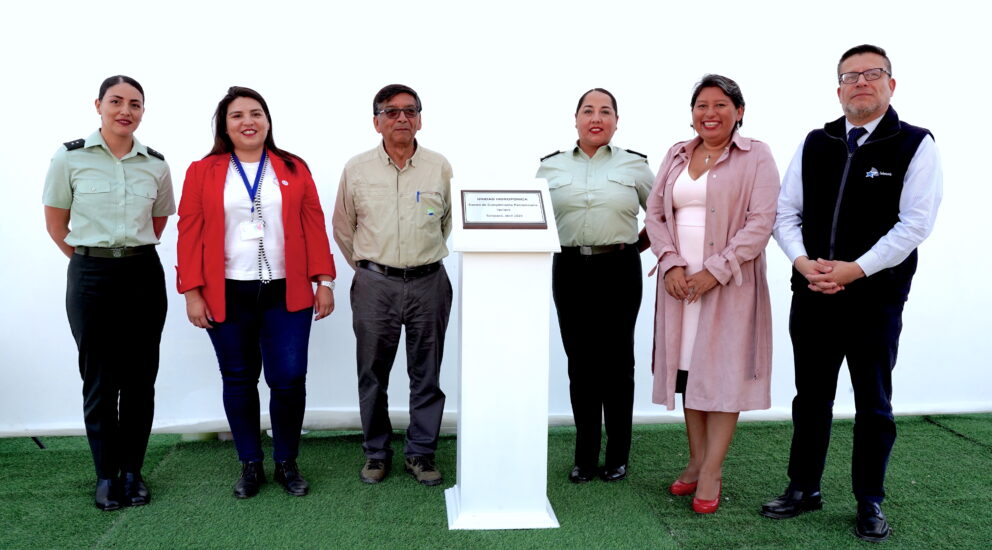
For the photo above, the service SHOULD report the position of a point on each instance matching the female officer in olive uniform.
(107, 198)
(597, 190)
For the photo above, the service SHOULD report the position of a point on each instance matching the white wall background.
(499, 83)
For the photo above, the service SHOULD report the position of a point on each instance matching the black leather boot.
(288, 475)
(108, 494)
(252, 478)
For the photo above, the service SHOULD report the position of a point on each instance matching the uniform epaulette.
(545, 157)
(633, 152)
(74, 144)
(155, 153)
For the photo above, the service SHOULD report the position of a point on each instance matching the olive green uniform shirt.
(391, 215)
(111, 201)
(596, 199)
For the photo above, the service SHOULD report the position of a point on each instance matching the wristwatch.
(328, 284)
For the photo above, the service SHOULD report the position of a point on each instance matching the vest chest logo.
(874, 173)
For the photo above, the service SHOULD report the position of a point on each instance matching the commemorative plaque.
(503, 209)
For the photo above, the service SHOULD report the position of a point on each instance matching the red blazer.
(201, 233)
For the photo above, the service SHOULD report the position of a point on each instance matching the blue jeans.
(258, 332)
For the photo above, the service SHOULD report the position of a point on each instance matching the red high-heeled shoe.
(681, 488)
(707, 506)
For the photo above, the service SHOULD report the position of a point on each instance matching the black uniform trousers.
(597, 298)
(116, 309)
(382, 305)
(826, 329)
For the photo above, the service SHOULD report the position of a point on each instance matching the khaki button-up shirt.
(391, 215)
(596, 199)
(111, 201)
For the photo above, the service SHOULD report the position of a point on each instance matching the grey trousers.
(381, 306)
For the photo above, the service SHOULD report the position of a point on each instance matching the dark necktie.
(852, 138)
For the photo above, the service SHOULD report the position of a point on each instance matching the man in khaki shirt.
(391, 220)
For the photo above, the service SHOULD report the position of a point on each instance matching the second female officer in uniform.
(597, 190)
(107, 198)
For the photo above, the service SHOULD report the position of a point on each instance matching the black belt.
(404, 273)
(593, 250)
(122, 252)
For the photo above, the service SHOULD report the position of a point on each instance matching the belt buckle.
(585, 250)
(118, 252)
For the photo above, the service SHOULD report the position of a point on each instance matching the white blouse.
(241, 256)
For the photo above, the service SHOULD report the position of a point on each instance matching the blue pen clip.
(418, 196)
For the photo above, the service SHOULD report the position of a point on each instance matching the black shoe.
(288, 475)
(108, 494)
(135, 492)
(791, 503)
(613, 474)
(581, 475)
(871, 525)
(252, 477)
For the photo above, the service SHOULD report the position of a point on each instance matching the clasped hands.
(828, 276)
(688, 288)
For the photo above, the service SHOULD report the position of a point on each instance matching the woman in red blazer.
(251, 243)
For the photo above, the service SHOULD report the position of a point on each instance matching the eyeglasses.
(392, 112)
(870, 74)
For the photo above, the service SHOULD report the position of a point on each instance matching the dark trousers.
(825, 330)
(382, 305)
(259, 333)
(597, 298)
(116, 309)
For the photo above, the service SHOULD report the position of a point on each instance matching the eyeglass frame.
(858, 75)
(391, 111)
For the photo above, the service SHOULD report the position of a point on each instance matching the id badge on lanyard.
(254, 227)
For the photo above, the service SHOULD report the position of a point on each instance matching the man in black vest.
(858, 198)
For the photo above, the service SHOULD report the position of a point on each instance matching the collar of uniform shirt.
(609, 147)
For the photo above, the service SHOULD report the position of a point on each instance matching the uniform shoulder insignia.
(546, 157)
(74, 144)
(633, 152)
(155, 153)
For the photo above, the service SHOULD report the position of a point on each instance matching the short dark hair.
(119, 79)
(613, 100)
(222, 141)
(865, 48)
(726, 85)
(389, 92)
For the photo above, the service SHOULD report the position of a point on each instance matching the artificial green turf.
(939, 485)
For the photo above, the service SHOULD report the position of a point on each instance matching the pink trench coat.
(730, 368)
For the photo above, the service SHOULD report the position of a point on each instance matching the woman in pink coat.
(709, 218)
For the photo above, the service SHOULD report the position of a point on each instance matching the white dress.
(689, 204)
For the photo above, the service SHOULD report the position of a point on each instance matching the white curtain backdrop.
(499, 83)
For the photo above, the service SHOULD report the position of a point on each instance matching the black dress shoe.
(581, 475)
(252, 477)
(288, 475)
(871, 525)
(613, 474)
(792, 503)
(108, 495)
(135, 492)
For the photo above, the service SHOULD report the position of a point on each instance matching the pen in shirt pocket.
(418, 196)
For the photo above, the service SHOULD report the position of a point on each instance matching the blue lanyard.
(252, 189)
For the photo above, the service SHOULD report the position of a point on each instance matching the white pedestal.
(503, 394)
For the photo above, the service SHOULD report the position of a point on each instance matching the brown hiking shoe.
(374, 470)
(423, 468)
